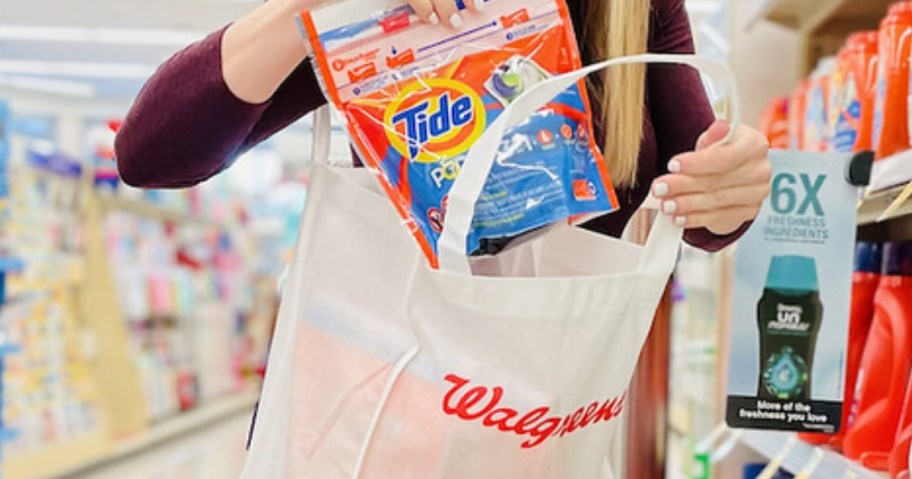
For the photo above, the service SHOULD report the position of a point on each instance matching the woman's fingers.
(720, 222)
(425, 10)
(711, 201)
(675, 184)
(746, 144)
(444, 11)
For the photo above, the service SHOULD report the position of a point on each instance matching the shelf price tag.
(790, 305)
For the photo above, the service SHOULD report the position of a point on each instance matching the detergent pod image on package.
(414, 98)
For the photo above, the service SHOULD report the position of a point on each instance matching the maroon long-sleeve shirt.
(186, 125)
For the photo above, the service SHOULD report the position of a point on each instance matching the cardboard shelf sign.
(790, 317)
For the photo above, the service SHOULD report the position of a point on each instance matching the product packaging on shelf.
(883, 377)
(816, 115)
(891, 125)
(414, 97)
(868, 259)
(852, 92)
(775, 123)
(796, 115)
(791, 299)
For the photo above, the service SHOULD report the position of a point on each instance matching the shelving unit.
(795, 456)
(890, 204)
(884, 213)
(126, 424)
(823, 24)
(92, 454)
(146, 209)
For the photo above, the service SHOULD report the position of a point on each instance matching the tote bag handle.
(469, 184)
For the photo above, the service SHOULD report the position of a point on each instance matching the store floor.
(213, 452)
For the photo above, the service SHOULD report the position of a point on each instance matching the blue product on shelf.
(752, 471)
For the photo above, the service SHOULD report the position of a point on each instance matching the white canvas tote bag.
(382, 368)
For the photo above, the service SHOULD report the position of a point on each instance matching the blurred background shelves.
(798, 455)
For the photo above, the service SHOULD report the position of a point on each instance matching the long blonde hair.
(614, 28)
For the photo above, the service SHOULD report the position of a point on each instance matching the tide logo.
(434, 119)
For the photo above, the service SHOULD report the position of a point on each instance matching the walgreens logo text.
(480, 403)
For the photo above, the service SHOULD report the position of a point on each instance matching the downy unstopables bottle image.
(789, 315)
(868, 259)
(883, 377)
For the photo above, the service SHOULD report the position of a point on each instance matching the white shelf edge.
(770, 444)
(891, 172)
(152, 210)
(889, 177)
(170, 429)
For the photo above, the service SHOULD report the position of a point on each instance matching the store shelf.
(886, 205)
(75, 458)
(9, 348)
(10, 263)
(771, 445)
(814, 16)
(151, 210)
(7, 435)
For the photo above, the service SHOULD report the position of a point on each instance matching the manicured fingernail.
(674, 166)
(669, 207)
(660, 190)
(433, 19)
(455, 21)
(479, 5)
(680, 220)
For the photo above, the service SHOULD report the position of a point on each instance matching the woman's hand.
(433, 11)
(717, 186)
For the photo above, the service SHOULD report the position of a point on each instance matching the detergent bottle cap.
(898, 259)
(791, 272)
(868, 257)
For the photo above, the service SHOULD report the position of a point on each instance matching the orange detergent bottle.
(891, 126)
(853, 85)
(864, 285)
(881, 383)
(775, 123)
(796, 115)
(901, 289)
(816, 114)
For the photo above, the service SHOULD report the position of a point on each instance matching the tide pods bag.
(414, 97)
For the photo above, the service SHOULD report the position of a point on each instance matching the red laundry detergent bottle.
(882, 379)
(899, 303)
(864, 285)
(852, 94)
(891, 127)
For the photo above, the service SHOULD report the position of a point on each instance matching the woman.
(219, 97)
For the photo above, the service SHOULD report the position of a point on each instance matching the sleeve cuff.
(708, 241)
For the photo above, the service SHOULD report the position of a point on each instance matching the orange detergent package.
(414, 97)
(796, 113)
(883, 377)
(816, 115)
(891, 109)
(775, 123)
(865, 279)
(852, 94)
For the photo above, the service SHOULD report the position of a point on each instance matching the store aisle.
(214, 452)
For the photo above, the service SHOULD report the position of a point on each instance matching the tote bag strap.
(322, 136)
(468, 186)
(660, 252)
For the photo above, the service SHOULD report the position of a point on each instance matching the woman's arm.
(217, 98)
(699, 198)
